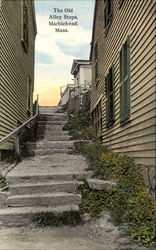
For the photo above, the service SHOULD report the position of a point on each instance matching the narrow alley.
(47, 181)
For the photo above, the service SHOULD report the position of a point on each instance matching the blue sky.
(55, 51)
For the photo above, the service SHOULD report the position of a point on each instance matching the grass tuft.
(57, 219)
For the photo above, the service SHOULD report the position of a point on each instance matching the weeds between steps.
(80, 125)
(130, 203)
(57, 219)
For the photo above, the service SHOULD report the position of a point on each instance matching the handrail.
(17, 130)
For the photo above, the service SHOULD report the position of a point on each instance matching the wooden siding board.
(134, 129)
(134, 136)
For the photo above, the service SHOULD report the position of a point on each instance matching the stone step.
(59, 117)
(48, 151)
(50, 127)
(22, 216)
(35, 178)
(54, 137)
(51, 145)
(49, 109)
(49, 164)
(43, 199)
(48, 187)
(51, 132)
(51, 123)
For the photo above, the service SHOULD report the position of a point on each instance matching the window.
(25, 30)
(97, 117)
(96, 63)
(109, 86)
(125, 81)
(108, 12)
(29, 94)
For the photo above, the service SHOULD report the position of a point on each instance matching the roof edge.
(95, 9)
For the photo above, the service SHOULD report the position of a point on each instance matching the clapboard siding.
(16, 66)
(136, 19)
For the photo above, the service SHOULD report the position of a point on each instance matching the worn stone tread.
(52, 186)
(25, 210)
(48, 183)
(51, 123)
(54, 138)
(52, 132)
(45, 177)
(50, 144)
(58, 194)
(43, 199)
(49, 151)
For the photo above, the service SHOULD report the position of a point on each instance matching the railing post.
(16, 143)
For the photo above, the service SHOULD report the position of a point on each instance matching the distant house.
(73, 93)
(81, 70)
(18, 31)
(123, 73)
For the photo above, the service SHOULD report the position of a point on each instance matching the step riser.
(51, 123)
(52, 118)
(52, 133)
(51, 147)
(50, 129)
(45, 178)
(69, 188)
(48, 152)
(54, 138)
(44, 201)
(24, 217)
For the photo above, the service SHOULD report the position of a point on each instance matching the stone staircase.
(48, 180)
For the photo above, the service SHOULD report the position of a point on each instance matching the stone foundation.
(149, 178)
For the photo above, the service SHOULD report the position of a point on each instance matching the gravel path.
(93, 235)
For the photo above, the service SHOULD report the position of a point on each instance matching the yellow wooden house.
(17, 40)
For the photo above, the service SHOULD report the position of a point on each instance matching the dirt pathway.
(93, 235)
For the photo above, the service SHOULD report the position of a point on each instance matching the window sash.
(96, 63)
(25, 27)
(98, 120)
(28, 93)
(110, 97)
(108, 12)
(125, 81)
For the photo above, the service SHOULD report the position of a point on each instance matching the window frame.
(96, 63)
(125, 111)
(107, 16)
(110, 114)
(25, 26)
(97, 119)
(29, 90)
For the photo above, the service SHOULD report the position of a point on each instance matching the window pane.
(125, 59)
(120, 65)
(111, 110)
(110, 80)
(109, 7)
